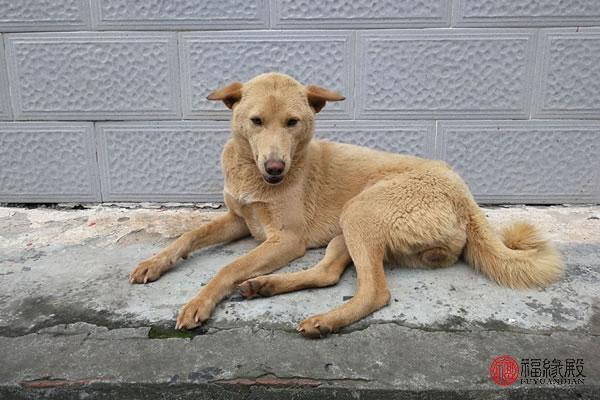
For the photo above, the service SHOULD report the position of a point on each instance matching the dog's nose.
(274, 167)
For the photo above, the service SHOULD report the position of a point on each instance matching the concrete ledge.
(71, 326)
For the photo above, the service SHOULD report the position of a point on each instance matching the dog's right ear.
(318, 96)
(230, 94)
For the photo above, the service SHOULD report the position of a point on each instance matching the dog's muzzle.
(274, 171)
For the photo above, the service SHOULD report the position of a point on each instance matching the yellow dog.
(294, 193)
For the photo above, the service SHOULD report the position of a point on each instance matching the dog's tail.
(519, 259)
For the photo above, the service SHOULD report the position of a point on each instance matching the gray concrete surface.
(71, 326)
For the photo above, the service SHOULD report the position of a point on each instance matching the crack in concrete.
(476, 328)
(272, 379)
(211, 330)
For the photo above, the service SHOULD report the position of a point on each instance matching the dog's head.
(274, 114)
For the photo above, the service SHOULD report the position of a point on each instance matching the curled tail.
(519, 259)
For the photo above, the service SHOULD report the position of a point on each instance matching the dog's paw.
(193, 314)
(255, 287)
(146, 271)
(315, 327)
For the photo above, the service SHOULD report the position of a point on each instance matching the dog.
(294, 193)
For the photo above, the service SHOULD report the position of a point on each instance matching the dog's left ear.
(230, 94)
(318, 96)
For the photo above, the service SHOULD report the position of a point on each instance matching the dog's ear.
(318, 96)
(230, 94)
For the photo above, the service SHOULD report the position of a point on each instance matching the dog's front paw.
(315, 327)
(193, 314)
(146, 271)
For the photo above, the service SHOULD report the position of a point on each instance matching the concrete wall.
(105, 99)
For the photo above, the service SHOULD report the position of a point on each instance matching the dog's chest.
(248, 207)
(255, 226)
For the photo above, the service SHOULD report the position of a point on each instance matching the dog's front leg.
(221, 229)
(279, 249)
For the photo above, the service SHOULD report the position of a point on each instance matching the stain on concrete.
(141, 236)
(39, 312)
(205, 374)
(158, 332)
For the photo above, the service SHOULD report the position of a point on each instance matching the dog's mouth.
(273, 179)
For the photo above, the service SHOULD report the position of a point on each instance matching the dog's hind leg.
(412, 215)
(361, 226)
(326, 273)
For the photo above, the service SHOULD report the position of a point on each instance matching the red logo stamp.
(504, 370)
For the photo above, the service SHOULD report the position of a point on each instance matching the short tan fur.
(295, 193)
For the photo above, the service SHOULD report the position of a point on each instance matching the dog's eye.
(256, 121)
(292, 122)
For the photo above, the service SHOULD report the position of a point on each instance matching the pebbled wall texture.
(104, 100)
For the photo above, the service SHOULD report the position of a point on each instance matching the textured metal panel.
(180, 14)
(212, 60)
(527, 161)
(407, 137)
(49, 161)
(444, 74)
(568, 77)
(490, 13)
(40, 15)
(93, 75)
(5, 112)
(360, 14)
(161, 161)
